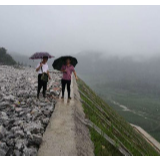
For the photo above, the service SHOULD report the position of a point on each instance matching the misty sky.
(60, 30)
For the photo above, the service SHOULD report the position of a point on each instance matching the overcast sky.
(120, 30)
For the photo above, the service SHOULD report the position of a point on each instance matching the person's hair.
(45, 57)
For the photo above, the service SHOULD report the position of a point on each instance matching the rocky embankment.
(23, 119)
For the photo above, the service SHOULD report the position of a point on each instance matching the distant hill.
(22, 59)
(5, 58)
(131, 73)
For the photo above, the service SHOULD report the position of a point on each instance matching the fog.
(60, 30)
(117, 48)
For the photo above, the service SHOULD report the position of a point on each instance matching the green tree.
(5, 58)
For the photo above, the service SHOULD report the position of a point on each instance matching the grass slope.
(143, 108)
(112, 124)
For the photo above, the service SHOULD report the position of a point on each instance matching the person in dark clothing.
(67, 72)
(41, 68)
(40, 85)
(64, 82)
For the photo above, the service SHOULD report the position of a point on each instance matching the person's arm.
(38, 68)
(48, 75)
(75, 75)
(63, 69)
(48, 72)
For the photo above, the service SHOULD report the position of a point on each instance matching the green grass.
(112, 124)
(145, 110)
(102, 147)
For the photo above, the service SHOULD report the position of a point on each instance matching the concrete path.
(66, 135)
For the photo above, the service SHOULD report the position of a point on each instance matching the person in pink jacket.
(67, 70)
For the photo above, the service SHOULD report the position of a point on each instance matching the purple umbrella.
(40, 55)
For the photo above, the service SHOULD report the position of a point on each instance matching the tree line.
(5, 58)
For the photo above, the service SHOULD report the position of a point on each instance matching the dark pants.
(40, 85)
(64, 82)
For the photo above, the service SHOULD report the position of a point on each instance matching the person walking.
(67, 70)
(43, 70)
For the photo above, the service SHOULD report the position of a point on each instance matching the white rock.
(21, 115)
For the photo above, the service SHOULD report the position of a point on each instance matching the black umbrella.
(59, 62)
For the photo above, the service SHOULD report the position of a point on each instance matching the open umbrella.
(40, 55)
(57, 64)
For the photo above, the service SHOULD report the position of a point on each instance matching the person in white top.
(41, 68)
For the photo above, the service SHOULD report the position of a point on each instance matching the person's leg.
(69, 89)
(44, 89)
(63, 87)
(39, 85)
